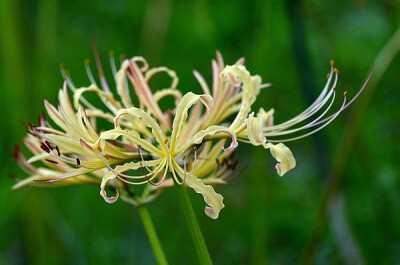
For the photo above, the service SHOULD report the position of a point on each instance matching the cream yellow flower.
(145, 145)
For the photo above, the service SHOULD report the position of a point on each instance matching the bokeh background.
(340, 205)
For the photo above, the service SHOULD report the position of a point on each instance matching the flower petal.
(267, 117)
(168, 92)
(186, 102)
(143, 91)
(151, 72)
(148, 120)
(122, 168)
(255, 130)
(199, 136)
(134, 136)
(283, 155)
(122, 89)
(107, 178)
(55, 115)
(213, 199)
(237, 74)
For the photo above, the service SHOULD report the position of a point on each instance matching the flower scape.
(190, 144)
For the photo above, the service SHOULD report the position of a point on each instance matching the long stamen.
(308, 125)
(327, 121)
(66, 75)
(89, 72)
(144, 172)
(194, 159)
(100, 71)
(357, 95)
(315, 107)
(184, 168)
(113, 65)
(141, 156)
(237, 174)
(126, 86)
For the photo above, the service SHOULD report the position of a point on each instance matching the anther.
(61, 65)
(78, 162)
(87, 62)
(58, 151)
(101, 73)
(225, 162)
(67, 72)
(48, 145)
(166, 140)
(45, 148)
(328, 75)
(13, 177)
(52, 161)
(111, 53)
(236, 175)
(194, 148)
(122, 57)
(333, 88)
(336, 71)
(332, 62)
(234, 165)
(17, 151)
(184, 156)
(345, 93)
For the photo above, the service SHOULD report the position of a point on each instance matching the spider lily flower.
(144, 147)
(184, 145)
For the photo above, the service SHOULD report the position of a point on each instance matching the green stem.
(151, 233)
(194, 228)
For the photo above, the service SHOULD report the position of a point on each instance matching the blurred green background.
(340, 205)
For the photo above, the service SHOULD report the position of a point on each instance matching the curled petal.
(122, 86)
(148, 120)
(198, 138)
(186, 102)
(108, 177)
(150, 73)
(255, 130)
(168, 92)
(251, 86)
(283, 155)
(237, 74)
(213, 199)
(143, 91)
(131, 135)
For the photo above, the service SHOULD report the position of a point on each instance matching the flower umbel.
(192, 143)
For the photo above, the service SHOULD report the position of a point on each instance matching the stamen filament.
(314, 131)
(89, 72)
